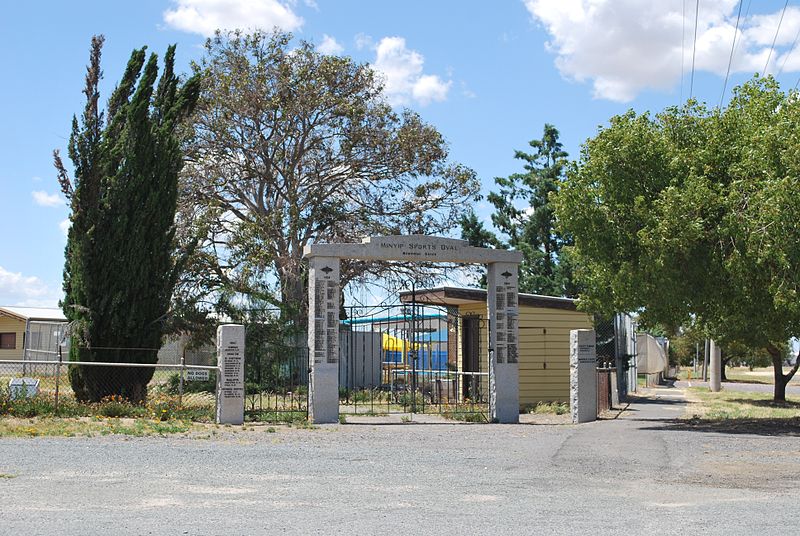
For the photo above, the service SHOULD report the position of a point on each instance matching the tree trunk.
(781, 379)
(780, 383)
(725, 361)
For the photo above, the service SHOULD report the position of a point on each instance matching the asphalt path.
(646, 472)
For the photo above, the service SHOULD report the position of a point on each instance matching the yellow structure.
(544, 326)
(14, 324)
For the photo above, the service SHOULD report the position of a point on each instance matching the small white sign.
(197, 375)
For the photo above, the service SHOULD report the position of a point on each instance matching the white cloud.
(206, 16)
(363, 41)
(43, 199)
(36, 179)
(624, 47)
(64, 225)
(403, 76)
(29, 291)
(330, 46)
(429, 88)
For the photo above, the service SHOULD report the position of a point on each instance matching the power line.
(791, 49)
(683, 44)
(774, 39)
(694, 47)
(730, 60)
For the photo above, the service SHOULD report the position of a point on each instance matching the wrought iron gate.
(276, 375)
(413, 358)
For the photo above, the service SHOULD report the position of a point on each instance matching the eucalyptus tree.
(291, 146)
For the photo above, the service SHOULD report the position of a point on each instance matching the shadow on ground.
(789, 427)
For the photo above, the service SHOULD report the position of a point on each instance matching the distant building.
(544, 326)
(24, 328)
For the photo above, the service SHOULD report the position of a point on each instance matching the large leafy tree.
(691, 215)
(120, 269)
(524, 218)
(292, 146)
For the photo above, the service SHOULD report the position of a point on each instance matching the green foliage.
(692, 214)
(524, 217)
(553, 408)
(120, 271)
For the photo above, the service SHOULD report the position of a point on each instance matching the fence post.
(180, 382)
(230, 374)
(58, 376)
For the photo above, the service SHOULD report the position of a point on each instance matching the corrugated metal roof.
(34, 313)
(457, 295)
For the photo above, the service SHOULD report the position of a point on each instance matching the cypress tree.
(120, 273)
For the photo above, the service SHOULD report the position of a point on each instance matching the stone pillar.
(323, 339)
(714, 367)
(230, 377)
(502, 301)
(583, 375)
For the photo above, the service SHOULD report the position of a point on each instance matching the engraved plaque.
(500, 298)
(332, 335)
(319, 298)
(500, 354)
(332, 288)
(511, 297)
(512, 353)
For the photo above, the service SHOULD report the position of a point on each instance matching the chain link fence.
(51, 385)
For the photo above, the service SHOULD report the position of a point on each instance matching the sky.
(487, 74)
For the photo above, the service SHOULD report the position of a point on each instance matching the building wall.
(9, 324)
(543, 350)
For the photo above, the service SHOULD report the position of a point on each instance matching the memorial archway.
(323, 313)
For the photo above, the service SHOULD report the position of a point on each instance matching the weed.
(551, 408)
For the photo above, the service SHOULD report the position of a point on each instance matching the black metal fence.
(276, 379)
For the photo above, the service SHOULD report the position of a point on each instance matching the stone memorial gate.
(323, 313)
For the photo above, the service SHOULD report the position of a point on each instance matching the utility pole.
(715, 367)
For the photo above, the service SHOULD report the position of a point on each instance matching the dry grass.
(740, 412)
(88, 427)
(739, 405)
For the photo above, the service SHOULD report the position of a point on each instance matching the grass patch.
(465, 414)
(277, 417)
(739, 413)
(739, 405)
(549, 408)
(89, 427)
(6, 476)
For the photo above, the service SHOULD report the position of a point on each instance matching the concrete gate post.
(503, 314)
(230, 377)
(323, 339)
(583, 375)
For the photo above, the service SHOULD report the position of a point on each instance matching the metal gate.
(412, 358)
(275, 375)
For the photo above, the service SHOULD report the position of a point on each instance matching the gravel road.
(641, 473)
